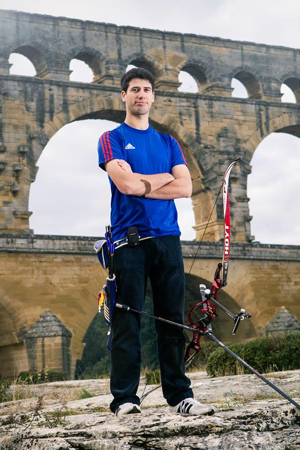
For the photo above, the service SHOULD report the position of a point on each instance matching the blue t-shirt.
(148, 152)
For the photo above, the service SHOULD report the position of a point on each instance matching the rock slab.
(86, 424)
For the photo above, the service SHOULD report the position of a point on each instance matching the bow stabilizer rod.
(207, 333)
(244, 363)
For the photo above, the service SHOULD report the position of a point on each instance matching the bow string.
(220, 280)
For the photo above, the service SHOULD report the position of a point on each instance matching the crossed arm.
(164, 186)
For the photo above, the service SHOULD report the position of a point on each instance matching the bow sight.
(204, 323)
(208, 295)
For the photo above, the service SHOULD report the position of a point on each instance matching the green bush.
(153, 377)
(55, 376)
(4, 386)
(271, 353)
(29, 377)
(200, 359)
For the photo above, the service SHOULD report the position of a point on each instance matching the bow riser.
(226, 212)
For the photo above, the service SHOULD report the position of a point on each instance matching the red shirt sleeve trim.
(180, 150)
(110, 153)
(103, 146)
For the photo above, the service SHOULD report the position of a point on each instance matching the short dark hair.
(136, 72)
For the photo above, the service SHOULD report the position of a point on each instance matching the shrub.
(4, 386)
(153, 377)
(200, 360)
(55, 376)
(29, 377)
(271, 353)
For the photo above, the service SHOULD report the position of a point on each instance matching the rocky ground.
(75, 415)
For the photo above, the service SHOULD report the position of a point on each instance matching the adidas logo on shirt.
(129, 147)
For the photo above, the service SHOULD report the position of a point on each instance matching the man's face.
(139, 97)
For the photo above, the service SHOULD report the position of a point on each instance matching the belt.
(124, 241)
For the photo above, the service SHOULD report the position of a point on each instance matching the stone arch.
(198, 71)
(13, 358)
(250, 79)
(90, 56)
(284, 123)
(112, 108)
(10, 304)
(145, 61)
(274, 161)
(109, 108)
(292, 80)
(35, 54)
(8, 328)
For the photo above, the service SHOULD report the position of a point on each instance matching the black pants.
(160, 260)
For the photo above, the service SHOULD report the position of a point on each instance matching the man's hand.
(124, 165)
(180, 187)
(131, 183)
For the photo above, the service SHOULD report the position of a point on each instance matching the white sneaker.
(127, 408)
(189, 406)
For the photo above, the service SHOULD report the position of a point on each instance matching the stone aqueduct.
(38, 273)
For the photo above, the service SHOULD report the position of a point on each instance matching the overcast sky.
(71, 195)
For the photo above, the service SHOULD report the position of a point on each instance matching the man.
(147, 171)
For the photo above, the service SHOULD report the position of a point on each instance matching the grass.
(100, 409)
(85, 394)
(241, 400)
(15, 392)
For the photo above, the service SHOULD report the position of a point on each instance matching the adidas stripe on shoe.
(127, 408)
(189, 406)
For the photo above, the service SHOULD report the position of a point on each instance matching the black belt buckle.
(133, 237)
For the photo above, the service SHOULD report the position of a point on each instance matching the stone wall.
(38, 273)
(212, 127)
